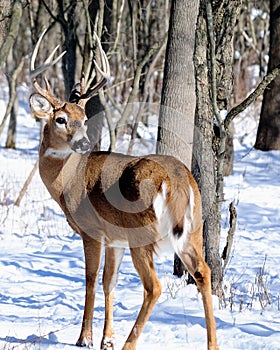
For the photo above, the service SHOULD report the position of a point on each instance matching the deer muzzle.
(81, 146)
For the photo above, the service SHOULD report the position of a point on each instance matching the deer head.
(65, 120)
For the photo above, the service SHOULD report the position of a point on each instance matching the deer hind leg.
(113, 259)
(191, 256)
(92, 251)
(202, 276)
(142, 258)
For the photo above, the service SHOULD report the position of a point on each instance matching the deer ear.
(40, 106)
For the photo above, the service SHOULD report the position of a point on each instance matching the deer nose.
(82, 146)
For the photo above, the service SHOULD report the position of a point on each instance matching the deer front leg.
(113, 259)
(92, 251)
(142, 258)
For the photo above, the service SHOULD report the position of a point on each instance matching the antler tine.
(104, 72)
(104, 60)
(35, 53)
(49, 62)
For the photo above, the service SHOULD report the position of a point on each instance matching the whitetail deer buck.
(113, 200)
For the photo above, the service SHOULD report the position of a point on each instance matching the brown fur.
(108, 199)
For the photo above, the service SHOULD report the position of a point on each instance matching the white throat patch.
(60, 154)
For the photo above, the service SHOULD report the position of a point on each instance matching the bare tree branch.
(232, 226)
(146, 85)
(136, 80)
(26, 184)
(252, 97)
(55, 18)
(12, 84)
(133, 16)
(118, 31)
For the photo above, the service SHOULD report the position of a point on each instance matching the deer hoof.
(84, 342)
(108, 344)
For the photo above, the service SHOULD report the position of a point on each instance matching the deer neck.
(56, 163)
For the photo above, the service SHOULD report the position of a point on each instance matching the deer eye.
(61, 120)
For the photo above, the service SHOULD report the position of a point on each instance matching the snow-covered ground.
(42, 265)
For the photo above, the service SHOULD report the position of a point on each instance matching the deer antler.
(78, 93)
(34, 72)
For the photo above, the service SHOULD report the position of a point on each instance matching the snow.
(42, 264)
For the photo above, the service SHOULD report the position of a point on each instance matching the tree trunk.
(204, 158)
(69, 28)
(11, 136)
(176, 120)
(213, 66)
(6, 11)
(268, 135)
(11, 13)
(94, 107)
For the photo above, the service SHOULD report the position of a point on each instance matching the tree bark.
(11, 136)
(68, 26)
(213, 66)
(178, 100)
(268, 135)
(176, 120)
(11, 13)
(12, 80)
(94, 107)
(6, 14)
